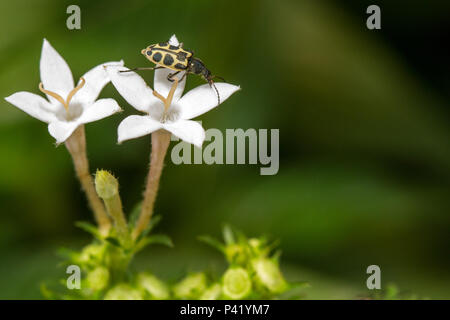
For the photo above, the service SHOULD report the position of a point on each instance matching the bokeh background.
(364, 139)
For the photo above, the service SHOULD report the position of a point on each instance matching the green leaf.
(157, 238)
(67, 253)
(276, 256)
(88, 227)
(240, 236)
(228, 235)
(134, 216)
(69, 256)
(151, 225)
(115, 242)
(292, 293)
(212, 242)
(49, 294)
(299, 285)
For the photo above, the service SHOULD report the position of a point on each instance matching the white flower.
(177, 117)
(68, 106)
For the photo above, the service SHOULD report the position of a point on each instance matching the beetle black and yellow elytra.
(168, 56)
(165, 55)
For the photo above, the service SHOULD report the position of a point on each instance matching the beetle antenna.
(220, 78)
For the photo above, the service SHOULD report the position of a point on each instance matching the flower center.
(167, 101)
(66, 102)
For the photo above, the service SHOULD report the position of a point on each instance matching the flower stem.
(160, 144)
(76, 145)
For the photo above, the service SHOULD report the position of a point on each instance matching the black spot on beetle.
(168, 60)
(149, 52)
(180, 66)
(181, 56)
(157, 56)
(171, 47)
(162, 44)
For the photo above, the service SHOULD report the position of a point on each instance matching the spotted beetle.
(176, 58)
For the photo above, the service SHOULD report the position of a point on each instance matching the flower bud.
(236, 283)
(212, 293)
(123, 291)
(105, 184)
(98, 278)
(269, 275)
(191, 287)
(91, 253)
(255, 243)
(107, 188)
(153, 286)
(236, 253)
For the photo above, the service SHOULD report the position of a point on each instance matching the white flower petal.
(96, 79)
(100, 109)
(33, 104)
(174, 41)
(163, 86)
(189, 131)
(133, 89)
(203, 98)
(55, 73)
(136, 126)
(61, 130)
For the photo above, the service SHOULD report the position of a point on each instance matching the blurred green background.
(364, 139)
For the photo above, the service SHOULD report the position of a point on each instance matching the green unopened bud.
(153, 286)
(269, 275)
(91, 253)
(191, 287)
(212, 293)
(255, 243)
(123, 292)
(236, 283)
(107, 188)
(236, 254)
(105, 184)
(98, 278)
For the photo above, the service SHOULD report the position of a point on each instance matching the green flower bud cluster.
(123, 291)
(253, 273)
(253, 270)
(145, 286)
(152, 287)
(191, 287)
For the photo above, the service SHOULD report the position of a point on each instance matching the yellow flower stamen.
(54, 95)
(75, 90)
(167, 101)
(66, 102)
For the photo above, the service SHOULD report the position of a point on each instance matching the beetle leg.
(136, 69)
(171, 79)
(171, 75)
(184, 75)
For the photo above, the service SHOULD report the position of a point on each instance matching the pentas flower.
(173, 113)
(67, 107)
